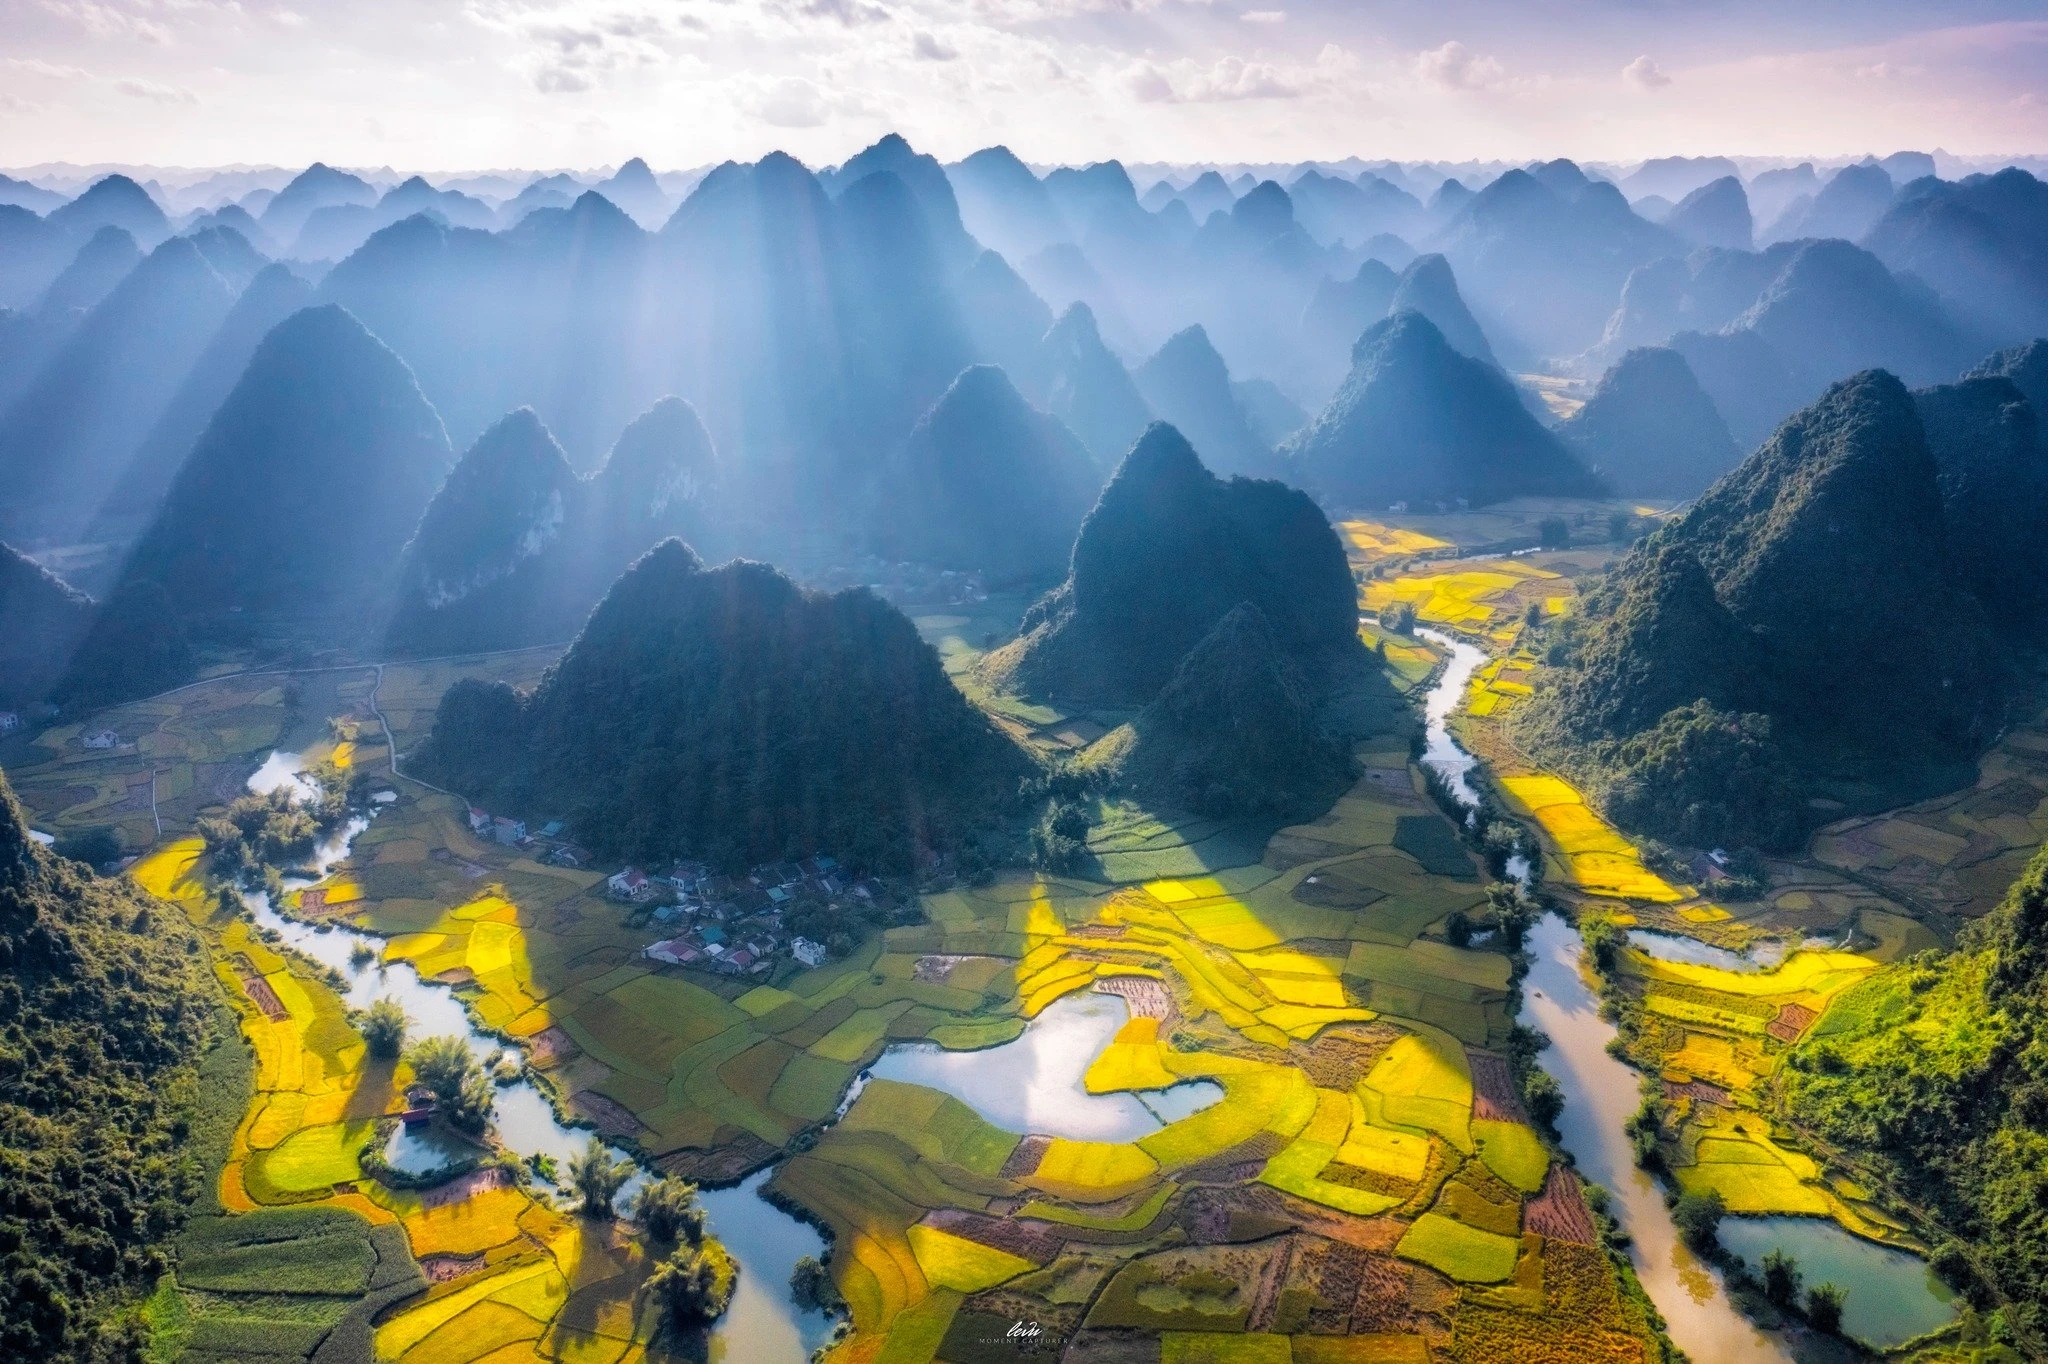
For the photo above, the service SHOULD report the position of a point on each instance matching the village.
(793, 915)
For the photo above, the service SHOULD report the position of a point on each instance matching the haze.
(465, 84)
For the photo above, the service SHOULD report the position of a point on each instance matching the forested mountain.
(1649, 430)
(1853, 199)
(1428, 287)
(1715, 214)
(515, 548)
(986, 482)
(1992, 464)
(42, 619)
(1416, 421)
(1168, 551)
(2026, 366)
(1759, 601)
(105, 1004)
(1982, 243)
(729, 714)
(307, 482)
(1233, 732)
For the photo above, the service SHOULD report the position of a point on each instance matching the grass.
(1424, 1082)
(1513, 1152)
(1464, 1253)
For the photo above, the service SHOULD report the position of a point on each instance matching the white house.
(629, 883)
(104, 738)
(808, 952)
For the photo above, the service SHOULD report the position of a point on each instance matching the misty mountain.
(1982, 243)
(42, 619)
(269, 299)
(70, 431)
(1674, 177)
(1079, 380)
(257, 519)
(115, 201)
(1338, 314)
(1650, 430)
(1427, 286)
(1416, 421)
(103, 262)
(1004, 205)
(985, 482)
(729, 714)
(1846, 207)
(1006, 320)
(1187, 384)
(1703, 291)
(2026, 366)
(1715, 214)
(636, 193)
(927, 181)
(1139, 595)
(312, 189)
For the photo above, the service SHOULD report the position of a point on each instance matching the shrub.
(1398, 618)
(1554, 532)
(1698, 1218)
(668, 1211)
(693, 1286)
(94, 847)
(383, 1028)
(812, 1287)
(460, 1087)
(597, 1176)
(1824, 1307)
(1781, 1280)
(1543, 1097)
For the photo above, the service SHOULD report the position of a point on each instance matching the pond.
(1763, 956)
(1893, 1296)
(763, 1322)
(1033, 1083)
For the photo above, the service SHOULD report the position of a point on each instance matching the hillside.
(1079, 380)
(105, 1005)
(985, 482)
(1168, 550)
(1416, 421)
(1825, 549)
(42, 619)
(1188, 384)
(1233, 733)
(1650, 430)
(515, 549)
(1993, 469)
(728, 714)
(1931, 1070)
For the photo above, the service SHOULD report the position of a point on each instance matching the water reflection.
(1893, 1295)
(1033, 1084)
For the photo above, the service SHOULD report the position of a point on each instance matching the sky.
(456, 85)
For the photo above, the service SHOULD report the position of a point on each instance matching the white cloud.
(156, 93)
(35, 66)
(791, 102)
(926, 48)
(1264, 16)
(114, 20)
(1230, 79)
(1645, 74)
(1456, 67)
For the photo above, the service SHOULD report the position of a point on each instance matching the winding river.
(763, 1323)
(1892, 1295)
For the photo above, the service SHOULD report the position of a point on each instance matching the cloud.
(791, 102)
(926, 48)
(1263, 16)
(571, 49)
(1645, 74)
(1456, 67)
(36, 66)
(847, 12)
(1230, 78)
(156, 93)
(115, 20)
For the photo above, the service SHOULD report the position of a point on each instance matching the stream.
(762, 1324)
(1893, 1296)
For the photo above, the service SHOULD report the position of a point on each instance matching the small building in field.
(510, 832)
(629, 884)
(479, 820)
(808, 952)
(102, 738)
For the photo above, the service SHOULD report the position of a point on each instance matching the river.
(763, 1323)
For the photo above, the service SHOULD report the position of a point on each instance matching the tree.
(1512, 913)
(1543, 1097)
(1458, 929)
(383, 1028)
(1398, 618)
(1698, 1217)
(1554, 532)
(447, 1067)
(597, 1177)
(1059, 841)
(95, 847)
(668, 1211)
(1824, 1307)
(1620, 527)
(1781, 1280)
(694, 1285)
(811, 1286)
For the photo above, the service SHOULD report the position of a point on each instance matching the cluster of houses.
(738, 925)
